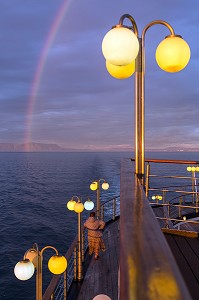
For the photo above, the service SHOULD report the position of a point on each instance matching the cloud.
(78, 104)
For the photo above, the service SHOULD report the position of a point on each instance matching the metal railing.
(178, 195)
(60, 284)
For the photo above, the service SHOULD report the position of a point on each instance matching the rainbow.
(40, 67)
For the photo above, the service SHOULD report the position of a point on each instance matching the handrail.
(172, 161)
(147, 266)
(50, 289)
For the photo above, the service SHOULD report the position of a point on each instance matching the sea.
(34, 191)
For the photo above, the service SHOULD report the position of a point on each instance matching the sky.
(55, 89)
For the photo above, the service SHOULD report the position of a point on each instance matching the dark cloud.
(78, 104)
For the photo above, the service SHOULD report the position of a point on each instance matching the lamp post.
(78, 207)
(157, 198)
(32, 260)
(193, 170)
(121, 46)
(95, 185)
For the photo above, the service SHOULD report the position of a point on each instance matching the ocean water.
(34, 190)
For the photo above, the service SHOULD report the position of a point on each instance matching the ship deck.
(101, 276)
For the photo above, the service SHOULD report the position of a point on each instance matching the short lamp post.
(32, 260)
(124, 52)
(95, 186)
(193, 170)
(78, 207)
(157, 198)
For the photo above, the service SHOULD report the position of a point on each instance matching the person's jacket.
(94, 227)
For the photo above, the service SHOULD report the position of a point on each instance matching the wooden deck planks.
(186, 253)
(102, 275)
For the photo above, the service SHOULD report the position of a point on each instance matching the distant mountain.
(30, 147)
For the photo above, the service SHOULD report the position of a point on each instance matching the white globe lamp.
(24, 269)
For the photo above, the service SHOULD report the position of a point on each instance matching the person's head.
(92, 214)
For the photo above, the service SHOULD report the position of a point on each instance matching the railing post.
(83, 246)
(65, 285)
(75, 263)
(179, 208)
(147, 179)
(102, 212)
(168, 209)
(193, 185)
(197, 203)
(163, 196)
(114, 209)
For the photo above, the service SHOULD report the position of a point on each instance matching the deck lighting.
(93, 186)
(57, 264)
(105, 186)
(121, 72)
(78, 208)
(157, 198)
(96, 184)
(70, 205)
(193, 169)
(88, 205)
(120, 46)
(101, 297)
(31, 254)
(173, 54)
(24, 269)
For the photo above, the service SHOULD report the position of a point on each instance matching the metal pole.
(139, 115)
(147, 179)
(98, 199)
(39, 277)
(75, 263)
(65, 285)
(79, 250)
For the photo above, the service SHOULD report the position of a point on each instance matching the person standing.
(95, 240)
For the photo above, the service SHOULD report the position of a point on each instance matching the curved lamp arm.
(160, 22)
(78, 199)
(134, 27)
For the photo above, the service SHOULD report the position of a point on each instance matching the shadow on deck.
(101, 276)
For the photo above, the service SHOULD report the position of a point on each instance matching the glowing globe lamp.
(24, 269)
(71, 204)
(189, 169)
(197, 169)
(173, 54)
(89, 205)
(101, 297)
(121, 72)
(78, 207)
(93, 186)
(153, 197)
(193, 169)
(105, 185)
(120, 46)
(57, 264)
(32, 256)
